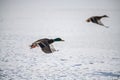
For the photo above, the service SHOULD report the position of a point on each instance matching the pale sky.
(24, 13)
(75, 4)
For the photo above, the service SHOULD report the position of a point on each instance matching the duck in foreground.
(96, 20)
(45, 44)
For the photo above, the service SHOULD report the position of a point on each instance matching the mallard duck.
(96, 20)
(45, 44)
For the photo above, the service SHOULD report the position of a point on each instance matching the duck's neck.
(104, 16)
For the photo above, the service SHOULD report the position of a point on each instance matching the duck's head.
(105, 16)
(58, 39)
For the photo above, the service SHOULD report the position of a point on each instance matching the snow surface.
(90, 51)
(76, 60)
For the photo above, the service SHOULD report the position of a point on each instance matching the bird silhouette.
(97, 20)
(46, 44)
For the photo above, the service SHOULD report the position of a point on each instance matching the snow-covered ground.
(83, 59)
(90, 51)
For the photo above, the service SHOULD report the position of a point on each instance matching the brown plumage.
(97, 20)
(45, 44)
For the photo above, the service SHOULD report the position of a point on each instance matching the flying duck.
(97, 20)
(45, 44)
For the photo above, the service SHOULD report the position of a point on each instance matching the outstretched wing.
(45, 46)
(52, 48)
(100, 23)
(47, 49)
